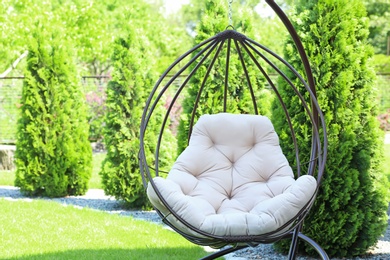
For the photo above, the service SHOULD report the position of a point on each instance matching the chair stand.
(291, 255)
(223, 252)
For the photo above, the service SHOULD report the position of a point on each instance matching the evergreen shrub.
(350, 211)
(53, 155)
(126, 96)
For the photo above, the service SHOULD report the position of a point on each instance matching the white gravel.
(96, 199)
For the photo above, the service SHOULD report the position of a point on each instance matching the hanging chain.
(230, 14)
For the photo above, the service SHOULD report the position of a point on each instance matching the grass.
(386, 167)
(41, 229)
(47, 230)
(7, 177)
(387, 161)
(97, 159)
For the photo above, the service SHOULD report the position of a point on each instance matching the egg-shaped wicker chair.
(232, 186)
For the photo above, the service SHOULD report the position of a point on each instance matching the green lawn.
(386, 165)
(7, 177)
(387, 160)
(41, 229)
(94, 182)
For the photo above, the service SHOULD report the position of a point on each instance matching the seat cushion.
(233, 179)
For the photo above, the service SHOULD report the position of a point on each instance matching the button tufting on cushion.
(233, 179)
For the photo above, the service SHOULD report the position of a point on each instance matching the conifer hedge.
(53, 155)
(350, 213)
(131, 82)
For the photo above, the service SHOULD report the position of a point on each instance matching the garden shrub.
(96, 111)
(53, 154)
(126, 96)
(384, 120)
(350, 212)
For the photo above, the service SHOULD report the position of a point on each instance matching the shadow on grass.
(112, 253)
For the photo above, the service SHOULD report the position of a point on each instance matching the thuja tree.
(53, 154)
(350, 213)
(215, 20)
(126, 96)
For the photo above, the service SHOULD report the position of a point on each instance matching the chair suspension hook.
(230, 15)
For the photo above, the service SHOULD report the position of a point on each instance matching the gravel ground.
(96, 199)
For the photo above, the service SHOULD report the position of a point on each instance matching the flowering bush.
(96, 110)
(384, 120)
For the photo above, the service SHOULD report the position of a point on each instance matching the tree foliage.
(91, 26)
(126, 95)
(379, 25)
(215, 20)
(265, 29)
(350, 213)
(53, 154)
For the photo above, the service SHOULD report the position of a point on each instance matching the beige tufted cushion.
(233, 179)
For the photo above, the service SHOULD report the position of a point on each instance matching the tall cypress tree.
(349, 214)
(126, 96)
(53, 154)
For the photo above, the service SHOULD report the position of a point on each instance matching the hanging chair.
(232, 186)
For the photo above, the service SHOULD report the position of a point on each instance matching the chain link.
(230, 14)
